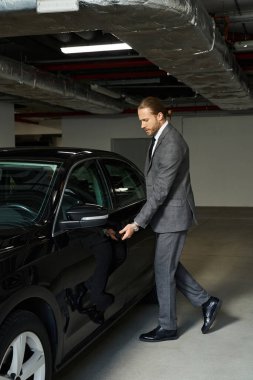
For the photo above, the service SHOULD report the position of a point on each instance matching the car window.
(23, 191)
(84, 186)
(126, 182)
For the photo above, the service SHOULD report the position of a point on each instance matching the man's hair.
(155, 105)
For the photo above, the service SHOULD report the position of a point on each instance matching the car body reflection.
(90, 296)
(62, 276)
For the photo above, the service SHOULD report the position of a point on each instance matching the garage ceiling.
(195, 55)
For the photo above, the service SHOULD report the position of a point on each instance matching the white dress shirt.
(158, 134)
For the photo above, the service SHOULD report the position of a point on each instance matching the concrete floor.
(219, 252)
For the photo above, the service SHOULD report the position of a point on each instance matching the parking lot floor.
(219, 253)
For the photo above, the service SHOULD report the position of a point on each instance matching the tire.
(25, 351)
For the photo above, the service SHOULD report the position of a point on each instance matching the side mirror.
(84, 216)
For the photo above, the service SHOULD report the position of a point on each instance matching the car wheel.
(25, 351)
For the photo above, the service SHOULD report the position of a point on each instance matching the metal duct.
(177, 35)
(180, 37)
(28, 82)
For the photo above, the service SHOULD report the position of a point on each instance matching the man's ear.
(160, 116)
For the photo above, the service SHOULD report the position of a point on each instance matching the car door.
(79, 251)
(86, 259)
(128, 193)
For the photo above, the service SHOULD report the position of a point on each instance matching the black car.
(65, 274)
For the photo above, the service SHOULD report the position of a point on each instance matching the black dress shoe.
(70, 298)
(210, 309)
(159, 334)
(94, 314)
(80, 292)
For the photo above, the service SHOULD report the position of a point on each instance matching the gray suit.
(170, 211)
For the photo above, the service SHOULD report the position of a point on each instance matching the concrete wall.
(221, 159)
(221, 151)
(48, 127)
(97, 132)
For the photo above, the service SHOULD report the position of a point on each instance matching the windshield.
(23, 191)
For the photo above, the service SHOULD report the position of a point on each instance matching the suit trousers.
(170, 275)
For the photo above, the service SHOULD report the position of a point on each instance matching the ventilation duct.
(180, 37)
(177, 35)
(28, 82)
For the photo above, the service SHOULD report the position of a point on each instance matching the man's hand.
(127, 231)
(111, 233)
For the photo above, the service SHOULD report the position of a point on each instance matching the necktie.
(151, 148)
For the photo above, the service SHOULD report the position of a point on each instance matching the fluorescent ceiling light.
(95, 48)
(52, 6)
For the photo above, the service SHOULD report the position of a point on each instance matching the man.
(170, 211)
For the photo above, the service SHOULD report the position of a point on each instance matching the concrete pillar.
(7, 130)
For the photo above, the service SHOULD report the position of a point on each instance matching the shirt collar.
(160, 130)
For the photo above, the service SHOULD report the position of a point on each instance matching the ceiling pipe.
(234, 17)
(120, 75)
(157, 30)
(26, 121)
(52, 115)
(129, 64)
(244, 56)
(75, 59)
(202, 60)
(237, 37)
(194, 109)
(97, 65)
(19, 79)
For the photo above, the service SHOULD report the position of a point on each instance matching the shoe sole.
(213, 318)
(158, 340)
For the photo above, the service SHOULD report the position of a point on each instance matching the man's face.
(150, 122)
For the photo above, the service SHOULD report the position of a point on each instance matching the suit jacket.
(170, 203)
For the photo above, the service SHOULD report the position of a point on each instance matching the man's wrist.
(135, 227)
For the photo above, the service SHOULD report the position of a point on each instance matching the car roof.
(54, 153)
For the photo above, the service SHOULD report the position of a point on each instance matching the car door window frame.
(116, 206)
(104, 186)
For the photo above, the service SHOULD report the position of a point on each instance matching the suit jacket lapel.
(149, 162)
